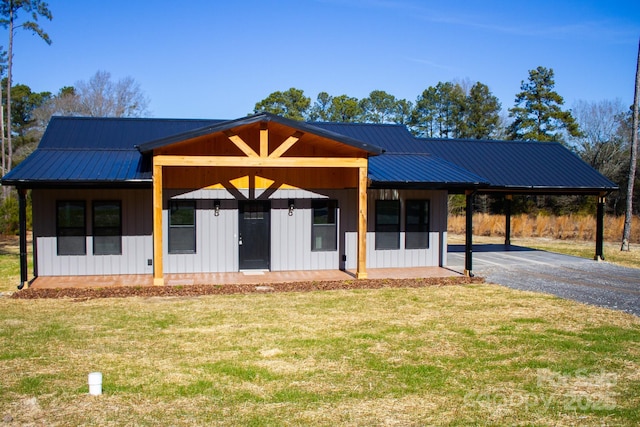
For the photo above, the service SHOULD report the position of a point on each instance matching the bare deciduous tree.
(101, 97)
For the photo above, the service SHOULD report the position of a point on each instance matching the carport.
(523, 168)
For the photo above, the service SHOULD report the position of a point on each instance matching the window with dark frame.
(71, 227)
(416, 224)
(107, 228)
(387, 224)
(182, 227)
(324, 228)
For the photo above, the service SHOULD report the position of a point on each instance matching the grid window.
(417, 224)
(182, 227)
(71, 228)
(387, 224)
(324, 229)
(107, 228)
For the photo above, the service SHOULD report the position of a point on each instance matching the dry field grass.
(442, 355)
(568, 227)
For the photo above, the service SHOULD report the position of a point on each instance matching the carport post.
(468, 248)
(507, 218)
(600, 229)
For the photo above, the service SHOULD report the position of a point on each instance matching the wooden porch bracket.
(361, 271)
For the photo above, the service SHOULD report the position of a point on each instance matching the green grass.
(472, 355)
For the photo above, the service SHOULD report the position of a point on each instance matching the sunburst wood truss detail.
(264, 144)
(288, 143)
(243, 146)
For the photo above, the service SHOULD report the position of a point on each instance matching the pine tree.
(537, 113)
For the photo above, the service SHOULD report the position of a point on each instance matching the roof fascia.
(141, 183)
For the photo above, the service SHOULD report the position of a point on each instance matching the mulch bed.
(197, 290)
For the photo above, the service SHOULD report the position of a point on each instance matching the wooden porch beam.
(158, 277)
(280, 162)
(361, 271)
(243, 146)
(288, 143)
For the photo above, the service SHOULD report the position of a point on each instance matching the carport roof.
(523, 166)
(502, 166)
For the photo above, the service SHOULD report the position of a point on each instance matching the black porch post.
(468, 261)
(507, 215)
(600, 230)
(22, 219)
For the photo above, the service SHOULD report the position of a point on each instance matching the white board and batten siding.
(137, 230)
(433, 256)
(216, 238)
(217, 247)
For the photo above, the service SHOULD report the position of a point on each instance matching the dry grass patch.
(567, 227)
(437, 355)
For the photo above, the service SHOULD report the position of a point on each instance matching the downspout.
(468, 252)
(22, 219)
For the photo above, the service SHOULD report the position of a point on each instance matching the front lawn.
(455, 355)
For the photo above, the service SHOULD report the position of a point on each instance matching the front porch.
(245, 278)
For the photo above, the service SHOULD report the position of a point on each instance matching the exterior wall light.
(216, 207)
(292, 206)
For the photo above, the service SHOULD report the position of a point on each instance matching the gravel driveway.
(579, 279)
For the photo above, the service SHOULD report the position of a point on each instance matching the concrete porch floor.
(247, 277)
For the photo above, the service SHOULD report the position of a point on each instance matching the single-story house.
(115, 196)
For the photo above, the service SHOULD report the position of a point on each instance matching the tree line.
(461, 109)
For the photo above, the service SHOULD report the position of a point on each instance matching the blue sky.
(216, 59)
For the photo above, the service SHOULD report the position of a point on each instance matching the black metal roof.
(397, 170)
(95, 151)
(522, 166)
(114, 152)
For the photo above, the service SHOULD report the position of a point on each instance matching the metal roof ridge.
(132, 149)
(132, 119)
(497, 141)
(358, 124)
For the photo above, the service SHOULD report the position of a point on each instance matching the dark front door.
(254, 229)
